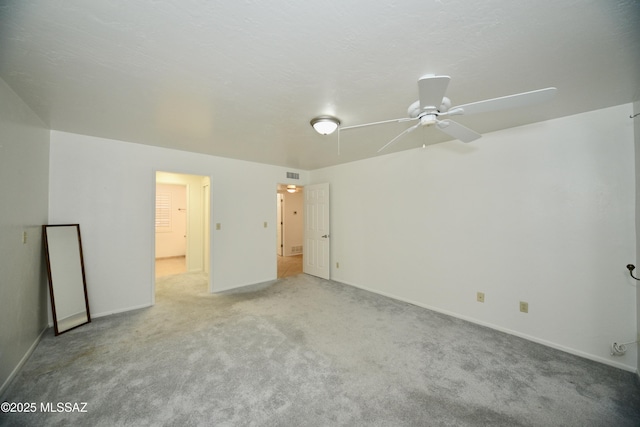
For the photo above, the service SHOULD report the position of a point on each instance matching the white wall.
(107, 187)
(542, 213)
(24, 186)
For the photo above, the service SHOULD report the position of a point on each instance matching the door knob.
(325, 236)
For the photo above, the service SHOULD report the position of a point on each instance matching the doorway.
(182, 218)
(290, 229)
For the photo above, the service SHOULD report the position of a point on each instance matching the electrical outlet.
(218, 226)
(618, 349)
(480, 297)
(265, 224)
(524, 307)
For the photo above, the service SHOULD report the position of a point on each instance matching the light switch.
(217, 226)
(24, 237)
(265, 224)
(524, 307)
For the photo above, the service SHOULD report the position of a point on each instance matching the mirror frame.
(45, 239)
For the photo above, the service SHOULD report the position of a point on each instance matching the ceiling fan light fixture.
(325, 125)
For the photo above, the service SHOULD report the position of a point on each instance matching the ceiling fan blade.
(404, 132)
(404, 119)
(457, 131)
(505, 102)
(432, 90)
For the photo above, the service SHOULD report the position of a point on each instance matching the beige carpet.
(308, 352)
(171, 265)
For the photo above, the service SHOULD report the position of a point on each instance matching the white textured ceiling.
(242, 79)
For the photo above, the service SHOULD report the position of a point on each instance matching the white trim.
(499, 328)
(20, 364)
(230, 288)
(120, 310)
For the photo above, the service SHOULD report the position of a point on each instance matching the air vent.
(293, 175)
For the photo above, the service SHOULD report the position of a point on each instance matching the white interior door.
(316, 257)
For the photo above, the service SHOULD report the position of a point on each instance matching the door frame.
(279, 223)
(281, 232)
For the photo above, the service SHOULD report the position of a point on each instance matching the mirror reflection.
(67, 285)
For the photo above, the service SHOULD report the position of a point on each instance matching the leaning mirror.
(67, 285)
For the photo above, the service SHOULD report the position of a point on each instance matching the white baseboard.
(238, 287)
(120, 310)
(501, 329)
(20, 364)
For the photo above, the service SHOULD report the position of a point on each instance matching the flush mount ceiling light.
(291, 188)
(325, 125)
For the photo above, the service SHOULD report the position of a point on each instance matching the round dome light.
(325, 125)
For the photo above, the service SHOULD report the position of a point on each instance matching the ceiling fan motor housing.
(414, 110)
(428, 119)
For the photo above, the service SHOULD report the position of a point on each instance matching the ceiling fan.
(433, 108)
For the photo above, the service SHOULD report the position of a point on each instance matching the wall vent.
(293, 175)
(296, 249)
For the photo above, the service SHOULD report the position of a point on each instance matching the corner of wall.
(16, 370)
(24, 187)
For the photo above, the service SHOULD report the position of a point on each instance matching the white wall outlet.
(480, 297)
(524, 307)
(618, 349)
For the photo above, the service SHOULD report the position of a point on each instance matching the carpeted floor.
(308, 352)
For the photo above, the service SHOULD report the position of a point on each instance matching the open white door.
(316, 256)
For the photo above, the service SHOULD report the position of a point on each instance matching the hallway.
(289, 265)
